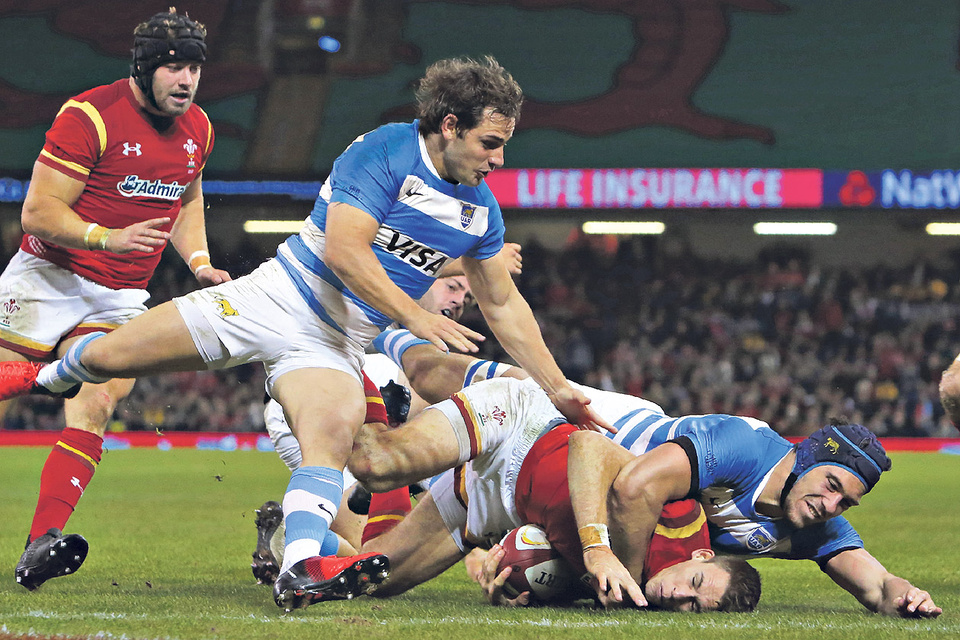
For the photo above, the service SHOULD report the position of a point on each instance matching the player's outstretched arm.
(610, 487)
(877, 589)
(350, 233)
(511, 320)
(593, 465)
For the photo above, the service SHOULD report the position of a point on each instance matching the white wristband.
(197, 254)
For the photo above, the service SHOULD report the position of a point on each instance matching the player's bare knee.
(374, 472)
(91, 410)
(375, 468)
(103, 361)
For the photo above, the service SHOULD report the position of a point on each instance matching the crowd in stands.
(776, 338)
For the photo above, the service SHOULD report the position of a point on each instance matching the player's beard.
(171, 107)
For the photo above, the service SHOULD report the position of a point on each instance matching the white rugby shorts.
(444, 491)
(41, 303)
(261, 317)
(496, 423)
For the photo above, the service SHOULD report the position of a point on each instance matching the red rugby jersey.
(543, 498)
(132, 173)
(681, 530)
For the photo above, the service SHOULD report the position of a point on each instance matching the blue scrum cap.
(851, 446)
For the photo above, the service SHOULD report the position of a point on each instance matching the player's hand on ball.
(492, 582)
(614, 585)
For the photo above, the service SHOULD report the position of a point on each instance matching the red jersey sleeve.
(76, 140)
(211, 137)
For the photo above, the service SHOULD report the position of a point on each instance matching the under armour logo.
(127, 149)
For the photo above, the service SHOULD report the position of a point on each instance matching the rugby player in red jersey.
(460, 511)
(476, 503)
(119, 177)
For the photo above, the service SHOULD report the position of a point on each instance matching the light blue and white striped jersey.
(733, 461)
(424, 221)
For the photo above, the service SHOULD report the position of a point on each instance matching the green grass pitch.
(171, 533)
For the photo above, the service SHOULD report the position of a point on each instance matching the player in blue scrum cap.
(846, 445)
(762, 495)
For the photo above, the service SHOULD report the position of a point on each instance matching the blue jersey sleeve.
(362, 176)
(731, 451)
(491, 242)
(822, 541)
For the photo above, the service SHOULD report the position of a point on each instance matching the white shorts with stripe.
(262, 318)
(497, 422)
(41, 303)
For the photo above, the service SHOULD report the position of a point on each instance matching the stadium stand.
(776, 338)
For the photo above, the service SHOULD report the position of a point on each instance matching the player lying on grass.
(471, 505)
(762, 495)
(432, 538)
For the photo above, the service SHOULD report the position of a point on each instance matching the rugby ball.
(537, 568)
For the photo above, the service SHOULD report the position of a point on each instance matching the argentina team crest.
(760, 539)
(467, 212)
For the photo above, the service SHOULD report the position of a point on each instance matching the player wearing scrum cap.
(118, 177)
(763, 497)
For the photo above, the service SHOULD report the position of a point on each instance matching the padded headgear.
(166, 37)
(851, 446)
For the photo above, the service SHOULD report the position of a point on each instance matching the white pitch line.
(915, 626)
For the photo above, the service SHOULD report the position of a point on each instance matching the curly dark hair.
(466, 88)
(743, 592)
